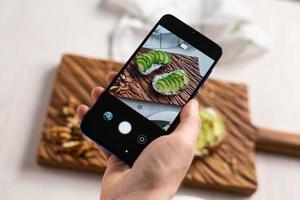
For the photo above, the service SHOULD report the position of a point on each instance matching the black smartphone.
(144, 100)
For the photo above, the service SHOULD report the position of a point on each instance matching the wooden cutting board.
(139, 89)
(229, 168)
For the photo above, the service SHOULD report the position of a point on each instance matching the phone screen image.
(161, 77)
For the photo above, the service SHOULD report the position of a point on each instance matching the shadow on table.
(29, 166)
(30, 152)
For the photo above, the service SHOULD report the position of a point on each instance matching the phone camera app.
(142, 139)
(161, 77)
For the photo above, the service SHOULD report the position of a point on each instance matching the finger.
(115, 170)
(115, 167)
(106, 154)
(109, 77)
(96, 92)
(188, 127)
(81, 111)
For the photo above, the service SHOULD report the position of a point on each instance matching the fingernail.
(194, 105)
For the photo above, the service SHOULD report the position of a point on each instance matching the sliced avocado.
(218, 127)
(166, 59)
(161, 57)
(186, 79)
(154, 54)
(142, 65)
(212, 130)
(174, 87)
(160, 86)
(176, 81)
(152, 60)
(164, 85)
(201, 141)
(208, 127)
(167, 84)
(157, 56)
(182, 75)
(139, 55)
(170, 88)
(149, 60)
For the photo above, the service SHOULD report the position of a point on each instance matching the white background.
(35, 33)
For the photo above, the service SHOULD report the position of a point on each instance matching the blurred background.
(261, 45)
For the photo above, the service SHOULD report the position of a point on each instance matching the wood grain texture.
(278, 142)
(229, 168)
(140, 87)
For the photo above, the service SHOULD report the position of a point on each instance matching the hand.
(160, 168)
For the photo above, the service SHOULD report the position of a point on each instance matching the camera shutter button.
(124, 127)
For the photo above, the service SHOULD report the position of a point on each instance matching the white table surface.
(35, 33)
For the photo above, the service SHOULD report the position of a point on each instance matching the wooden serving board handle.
(278, 142)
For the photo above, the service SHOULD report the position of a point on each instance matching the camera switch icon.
(142, 139)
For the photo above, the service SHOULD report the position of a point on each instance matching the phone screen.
(161, 77)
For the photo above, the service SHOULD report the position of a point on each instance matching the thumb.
(189, 125)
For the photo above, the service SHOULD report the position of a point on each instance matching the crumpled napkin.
(227, 22)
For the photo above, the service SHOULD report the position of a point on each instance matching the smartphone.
(144, 100)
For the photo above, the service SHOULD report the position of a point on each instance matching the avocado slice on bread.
(212, 131)
(151, 61)
(170, 83)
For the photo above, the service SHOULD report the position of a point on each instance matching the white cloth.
(227, 22)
